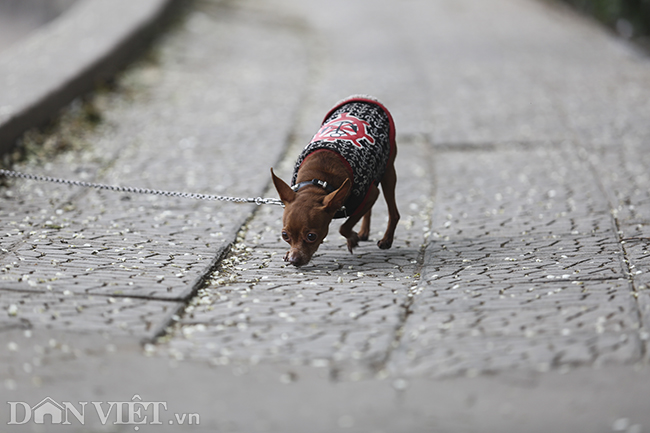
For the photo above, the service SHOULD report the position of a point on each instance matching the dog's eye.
(311, 237)
(285, 236)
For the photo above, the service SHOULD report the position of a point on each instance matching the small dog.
(336, 176)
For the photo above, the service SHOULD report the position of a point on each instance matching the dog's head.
(307, 216)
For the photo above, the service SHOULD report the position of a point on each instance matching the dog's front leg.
(346, 229)
(364, 231)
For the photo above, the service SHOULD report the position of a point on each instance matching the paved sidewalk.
(515, 297)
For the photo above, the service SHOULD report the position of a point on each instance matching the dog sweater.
(362, 132)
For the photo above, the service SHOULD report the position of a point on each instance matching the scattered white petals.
(12, 310)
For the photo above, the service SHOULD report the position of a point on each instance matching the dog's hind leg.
(388, 184)
(364, 232)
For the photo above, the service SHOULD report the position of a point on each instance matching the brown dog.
(336, 176)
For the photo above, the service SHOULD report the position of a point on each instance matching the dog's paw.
(353, 241)
(385, 244)
(364, 235)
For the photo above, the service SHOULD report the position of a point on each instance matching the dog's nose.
(295, 258)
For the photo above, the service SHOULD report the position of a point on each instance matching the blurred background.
(18, 18)
(630, 18)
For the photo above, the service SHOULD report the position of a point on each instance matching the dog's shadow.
(334, 259)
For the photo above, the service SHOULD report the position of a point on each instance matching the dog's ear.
(334, 200)
(287, 195)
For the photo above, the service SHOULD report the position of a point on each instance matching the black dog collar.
(341, 213)
(326, 186)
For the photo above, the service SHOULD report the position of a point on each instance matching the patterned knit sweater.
(361, 130)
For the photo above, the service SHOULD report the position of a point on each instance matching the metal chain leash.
(257, 200)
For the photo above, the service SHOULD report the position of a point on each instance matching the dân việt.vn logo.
(135, 412)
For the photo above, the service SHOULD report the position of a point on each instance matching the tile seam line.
(200, 282)
(89, 295)
(487, 146)
(623, 258)
(161, 328)
(407, 304)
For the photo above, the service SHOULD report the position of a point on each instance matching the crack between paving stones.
(625, 264)
(623, 257)
(406, 308)
(98, 295)
(405, 312)
(166, 327)
(491, 146)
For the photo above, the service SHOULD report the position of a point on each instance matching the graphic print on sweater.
(361, 130)
(344, 127)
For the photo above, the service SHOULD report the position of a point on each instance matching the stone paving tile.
(534, 310)
(297, 320)
(525, 259)
(454, 356)
(105, 257)
(558, 297)
(525, 322)
(368, 296)
(316, 344)
(332, 316)
(69, 311)
(539, 189)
